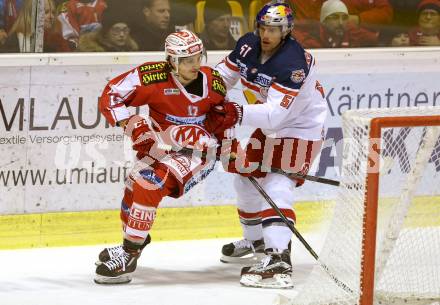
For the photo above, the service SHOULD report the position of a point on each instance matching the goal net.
(383, 245)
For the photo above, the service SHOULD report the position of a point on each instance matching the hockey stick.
(269, 200)
(272, 169)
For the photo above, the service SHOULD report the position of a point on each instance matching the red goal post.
(372, 194)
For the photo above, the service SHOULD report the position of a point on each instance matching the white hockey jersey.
(285, 98)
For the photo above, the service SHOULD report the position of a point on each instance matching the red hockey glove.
(139, 131)
(222, 117)
(237, 162)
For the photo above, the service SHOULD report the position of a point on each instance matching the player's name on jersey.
(155, 77)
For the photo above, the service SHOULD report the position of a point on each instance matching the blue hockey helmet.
(276, 14)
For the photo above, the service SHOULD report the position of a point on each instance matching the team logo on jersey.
(298, 76)
(171, 91)
(187, 135)
(154, 77)
(152, 67)
(219, 86)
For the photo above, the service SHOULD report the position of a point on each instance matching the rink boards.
(206, 222)
(103, 227)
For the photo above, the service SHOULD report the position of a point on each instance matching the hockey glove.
(237, 163)
(141, 135)
(222, 117)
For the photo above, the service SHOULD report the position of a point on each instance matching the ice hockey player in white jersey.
(286, 104)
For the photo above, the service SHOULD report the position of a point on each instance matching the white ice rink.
(168, 273)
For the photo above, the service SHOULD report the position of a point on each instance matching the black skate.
(118, 270)
(243, 251)
(113, 252)
(274, 271)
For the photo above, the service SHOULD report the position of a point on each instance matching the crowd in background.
(142, 25)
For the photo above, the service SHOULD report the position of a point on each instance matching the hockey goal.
(384, 240)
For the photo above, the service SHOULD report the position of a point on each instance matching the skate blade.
(243, 260)
(279, 281)
(105, 280)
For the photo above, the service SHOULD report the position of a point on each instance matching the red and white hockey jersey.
(171, 107)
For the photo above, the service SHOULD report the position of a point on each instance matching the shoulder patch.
(215, 73)
(298, 76)
(154, 77)
(152, 67)
(219, 86)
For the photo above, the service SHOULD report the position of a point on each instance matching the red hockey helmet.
(183, 44)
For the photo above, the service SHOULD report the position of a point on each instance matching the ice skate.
(118, 270)
(274, 271)
(113, 252)
(243, 251)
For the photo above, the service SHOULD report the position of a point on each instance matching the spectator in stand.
(8, 14)
(21, 37)
(217, 17)
(9, 10)
(152, 25)
(335, 31)
(400, 39)
(113, 36)
(366, 13)
(81, 16)
(427, 33)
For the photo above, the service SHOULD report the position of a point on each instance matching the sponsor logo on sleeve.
(152, 67)
(298, 76)
(155, 77)
(287, 101)
(218, 86)
(215, 73)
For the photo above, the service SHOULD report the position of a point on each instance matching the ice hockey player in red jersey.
(178, 93)
(287, 106)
